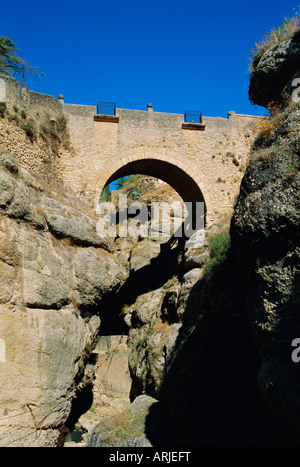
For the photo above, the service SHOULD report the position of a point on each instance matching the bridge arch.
(179, 175)
(180, 178)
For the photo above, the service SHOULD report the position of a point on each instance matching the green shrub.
(48, 132)
(219, 246)
(141, 343)
(2, 109)
(105, 195)
(55, 132)
(62, 131)
(30, 129)
(61, 123)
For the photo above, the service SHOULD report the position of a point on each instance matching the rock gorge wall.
(209, 354)
(239, 382)
(55, 271)
(265, 234)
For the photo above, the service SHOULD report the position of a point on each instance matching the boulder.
(8, 162)
(7, 188)
(276, 68)
(96, 273)
(145, 424)
(142, 254)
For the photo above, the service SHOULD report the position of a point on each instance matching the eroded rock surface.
(55, 271)
(233, 381)
(265, 232)
(274, 73)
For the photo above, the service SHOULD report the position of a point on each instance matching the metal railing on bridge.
(106, 108)
(106, 112)
(193, 116)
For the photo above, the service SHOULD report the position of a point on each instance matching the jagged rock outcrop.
(55, 272)
(145, 423)
(233, 381)
(274, 73)
(265, 233)
(157, 322)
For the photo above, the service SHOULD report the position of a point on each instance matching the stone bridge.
(201, 161)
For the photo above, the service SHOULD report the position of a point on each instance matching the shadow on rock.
(210, 387)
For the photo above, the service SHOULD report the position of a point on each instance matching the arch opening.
(153, 261)
(178, 179)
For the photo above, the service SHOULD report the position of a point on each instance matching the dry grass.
(119, 428)
(289, 29)
(269, 124)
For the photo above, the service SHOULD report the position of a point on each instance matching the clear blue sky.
(176, 54)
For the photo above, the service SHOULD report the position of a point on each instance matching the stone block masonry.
(22, 110)
(157, 144)
(205, 165)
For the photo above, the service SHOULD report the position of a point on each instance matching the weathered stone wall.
(214, 158)
(21, 107)
(12, 92)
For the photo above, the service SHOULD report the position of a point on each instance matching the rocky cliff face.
(55, 273)
(265, 233)
(272, 79)
(234, 381)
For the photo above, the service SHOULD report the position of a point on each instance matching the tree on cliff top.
(11, 64)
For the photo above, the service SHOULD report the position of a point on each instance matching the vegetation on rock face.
(2, 109)
(37, 126)
(269, 124)
(219, 246)
(289, 29)
(121, 427)
(105, 195)
(55, 132)
(30, 129)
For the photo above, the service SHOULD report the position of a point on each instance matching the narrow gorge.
(149, 342)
